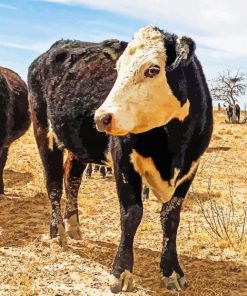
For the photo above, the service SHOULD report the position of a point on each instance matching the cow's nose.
(103, 122)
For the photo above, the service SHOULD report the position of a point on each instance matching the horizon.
(28, 28)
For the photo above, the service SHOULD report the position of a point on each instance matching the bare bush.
(224, 222)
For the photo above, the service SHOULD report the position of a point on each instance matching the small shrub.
(223, 223)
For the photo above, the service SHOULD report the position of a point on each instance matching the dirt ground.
(30, 264)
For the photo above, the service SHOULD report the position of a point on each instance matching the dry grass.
(31, 264)
(226, 225)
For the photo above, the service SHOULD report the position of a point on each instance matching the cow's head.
(141, 98)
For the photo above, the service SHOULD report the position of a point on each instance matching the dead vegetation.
(224, 223)
(31, 264)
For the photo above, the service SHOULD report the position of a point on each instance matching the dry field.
(215, 264)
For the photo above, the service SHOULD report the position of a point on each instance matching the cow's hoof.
(73, 228)
(124, 283)
(175, 282)
(74, 232)
(61, 237)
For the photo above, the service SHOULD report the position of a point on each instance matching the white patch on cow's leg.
(124, 283)
(61, 237)
(175, 282)
(182, 282)
(73, 228)
(162, 189)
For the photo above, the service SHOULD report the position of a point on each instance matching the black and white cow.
(159, 112)
(14, 113)
(159, 118)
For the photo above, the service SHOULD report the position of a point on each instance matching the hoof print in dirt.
(124, 283)
(175, 282)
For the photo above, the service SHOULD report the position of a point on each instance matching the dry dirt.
(30, 264)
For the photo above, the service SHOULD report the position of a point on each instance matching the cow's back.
(70, 81)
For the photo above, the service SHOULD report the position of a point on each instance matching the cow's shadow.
(23, 219)
(218, 148)
(205, 277)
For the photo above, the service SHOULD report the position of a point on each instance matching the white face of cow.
(141, 98)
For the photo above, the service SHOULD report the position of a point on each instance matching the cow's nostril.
(106, 120)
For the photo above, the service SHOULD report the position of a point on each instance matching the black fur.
(67, 84)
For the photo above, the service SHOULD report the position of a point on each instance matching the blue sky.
(29, 27)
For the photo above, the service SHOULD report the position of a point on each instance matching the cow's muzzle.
(103, 122)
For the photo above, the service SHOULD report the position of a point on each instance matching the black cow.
(66, 85)
(70, 81)
(103, 170)
(14, 113)
(229, 112)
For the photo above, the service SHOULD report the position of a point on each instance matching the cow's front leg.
(173, 275)
(73, 170)
(129, 192)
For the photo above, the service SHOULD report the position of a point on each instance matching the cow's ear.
(184, 50)
(185, 47)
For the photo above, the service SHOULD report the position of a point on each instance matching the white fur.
(138, 103)
(162, 189)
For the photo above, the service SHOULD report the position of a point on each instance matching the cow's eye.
(152, 71)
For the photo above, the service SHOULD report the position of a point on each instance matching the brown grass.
(31, 264)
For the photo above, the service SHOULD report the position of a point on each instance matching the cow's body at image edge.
(14, 113)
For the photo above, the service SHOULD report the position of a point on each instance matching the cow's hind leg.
(3, 159)
(89, 171)
(52, 159)
(131, 210)
(170, 217)
(102, 172)
(73, 170)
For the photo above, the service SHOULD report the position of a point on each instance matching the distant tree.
(228, 87)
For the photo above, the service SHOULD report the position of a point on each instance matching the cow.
(66, 85)
(229, 112)
(159, 118)
(154, 117)
(103, 170)
(14, 114)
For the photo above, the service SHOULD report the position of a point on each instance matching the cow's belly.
(162, 189)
